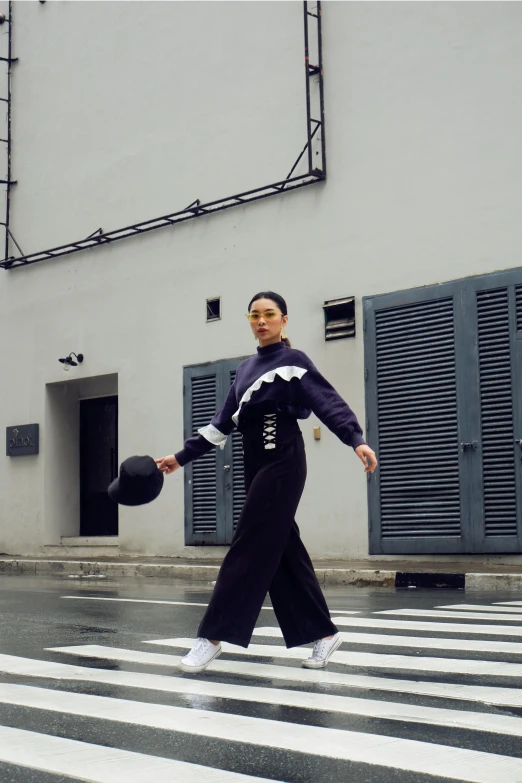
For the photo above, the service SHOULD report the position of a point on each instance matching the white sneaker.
(323, 650)
(202, 653)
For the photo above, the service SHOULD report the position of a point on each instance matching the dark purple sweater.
(282, 379)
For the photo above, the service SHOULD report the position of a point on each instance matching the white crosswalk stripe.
(476, 721)
(414, 625)
(153, 601)
(135, 600)
(373, 660)
(411, 755)
(511, 697)
(50, 754)
(414, 642)
(432, 694)
(514, 618)
(344, 611)
(480, 608)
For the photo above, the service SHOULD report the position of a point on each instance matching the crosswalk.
(433, 699)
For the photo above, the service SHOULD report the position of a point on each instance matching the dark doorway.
(98, 466)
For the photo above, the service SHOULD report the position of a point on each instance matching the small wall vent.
(339, 318)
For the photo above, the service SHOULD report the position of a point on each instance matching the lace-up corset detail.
(269, 430)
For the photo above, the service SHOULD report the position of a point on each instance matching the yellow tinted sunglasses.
(268, 315)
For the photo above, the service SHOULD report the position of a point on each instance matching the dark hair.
(280, 302)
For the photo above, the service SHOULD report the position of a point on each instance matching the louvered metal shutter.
(214, 484)
(417, 421)
(444, 366)
(496, 412)
(238, 472)
(204, 506)
(518, 301)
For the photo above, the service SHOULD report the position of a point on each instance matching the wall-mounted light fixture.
(69, 362)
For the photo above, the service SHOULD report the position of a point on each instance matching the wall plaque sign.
(22, 440)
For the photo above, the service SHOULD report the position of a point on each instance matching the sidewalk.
(471, 575)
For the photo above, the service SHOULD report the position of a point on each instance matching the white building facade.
(121, 113)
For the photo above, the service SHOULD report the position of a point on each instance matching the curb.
(208, 573)
(355, 578)
(506, 582)
(194, 573)
(186, 572)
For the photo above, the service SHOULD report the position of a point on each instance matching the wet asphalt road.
(37, 614)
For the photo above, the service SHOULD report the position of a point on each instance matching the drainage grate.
(430, 581)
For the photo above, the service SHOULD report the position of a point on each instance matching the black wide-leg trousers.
(266, 554)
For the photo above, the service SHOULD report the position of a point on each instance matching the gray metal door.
(237, 478)
(442, 367)
(214, 484)
(494, 410)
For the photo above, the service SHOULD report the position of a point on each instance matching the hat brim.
(124, 499)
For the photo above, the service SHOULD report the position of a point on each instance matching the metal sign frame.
(317, 173)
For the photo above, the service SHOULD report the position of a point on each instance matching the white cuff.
(213, 435)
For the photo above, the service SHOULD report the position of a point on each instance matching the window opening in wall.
(214, 309)
(339, 318)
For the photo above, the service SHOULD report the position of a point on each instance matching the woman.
(271, 391)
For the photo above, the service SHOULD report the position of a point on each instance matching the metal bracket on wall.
(5, 142)
(316, 168)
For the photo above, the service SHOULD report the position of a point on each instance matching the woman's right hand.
(167, 464)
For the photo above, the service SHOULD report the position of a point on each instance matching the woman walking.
(272, 390)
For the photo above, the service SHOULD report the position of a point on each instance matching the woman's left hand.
(367, 457)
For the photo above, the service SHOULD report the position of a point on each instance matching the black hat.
(140, 481)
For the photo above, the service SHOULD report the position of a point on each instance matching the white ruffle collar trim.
(286, 373)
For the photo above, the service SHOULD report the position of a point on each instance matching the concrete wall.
(129, 111)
